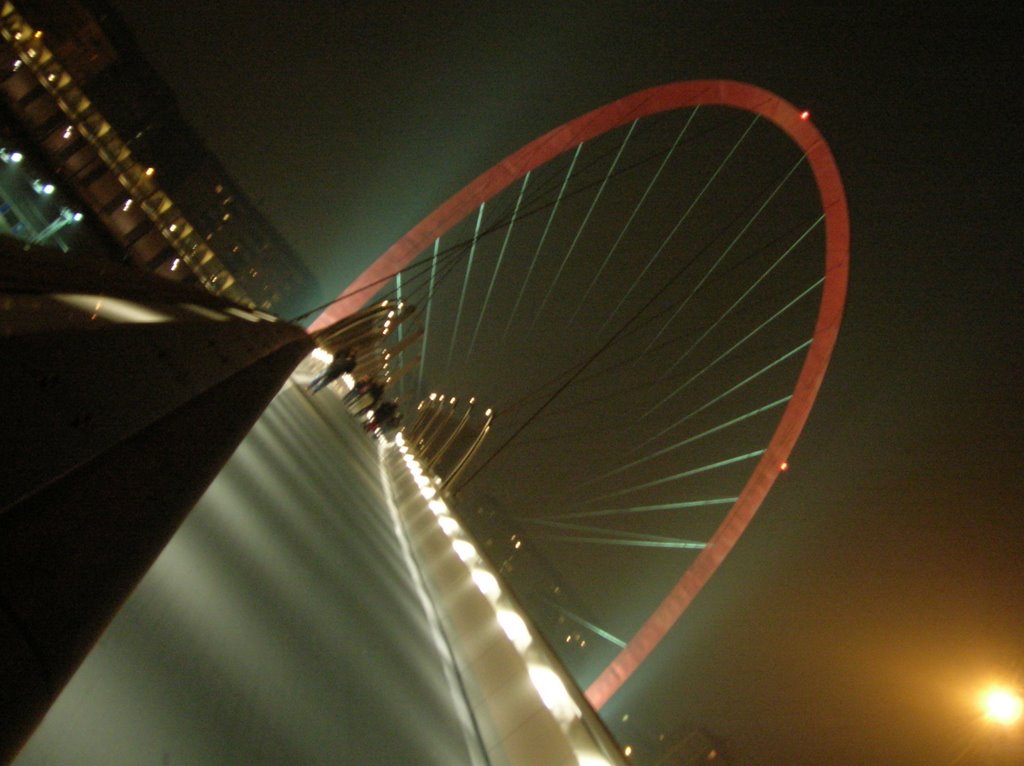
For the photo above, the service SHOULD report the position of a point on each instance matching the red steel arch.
(644, 103)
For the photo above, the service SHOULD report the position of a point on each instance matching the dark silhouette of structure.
(124, 394)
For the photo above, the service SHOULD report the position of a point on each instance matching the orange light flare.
(1002, 705)
(783, 466)
(805, 115)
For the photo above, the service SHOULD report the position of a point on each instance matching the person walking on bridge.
(343, 362)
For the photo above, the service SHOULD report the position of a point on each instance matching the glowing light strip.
(242, 314)
(547, 683)
(441, 646)
(123, 311)
(112, 309)
(206, 313)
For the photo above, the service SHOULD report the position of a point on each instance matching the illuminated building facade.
(83, 101)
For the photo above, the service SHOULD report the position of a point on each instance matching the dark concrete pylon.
(124, 395)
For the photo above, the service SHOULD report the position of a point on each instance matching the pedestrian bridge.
(316, 608)
(650, 293)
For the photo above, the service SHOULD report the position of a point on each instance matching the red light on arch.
(797, 126)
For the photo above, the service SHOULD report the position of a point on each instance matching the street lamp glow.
(1002, 705)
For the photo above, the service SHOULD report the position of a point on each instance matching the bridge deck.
(280, 625)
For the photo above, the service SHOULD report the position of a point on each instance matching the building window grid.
(28, 43)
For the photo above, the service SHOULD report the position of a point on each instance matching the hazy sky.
(882, 581)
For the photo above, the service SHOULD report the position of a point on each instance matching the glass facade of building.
(107, 136)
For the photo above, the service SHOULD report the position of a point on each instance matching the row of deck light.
(545, 679)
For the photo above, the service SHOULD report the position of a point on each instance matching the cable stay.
(636, 210)
(582, 226)
(597, 631)
(689, 545)
(652, 508)
(631, 327)
(497, 267)
(728, 249)
(648, 382)
(695, 438)
(401, 337)
(746, 293)
(426, 321)
(618, 536)
(680, 475)
(579, 370)
(668, 342)
(682, 219)
(465, 283)
(728, 391)
(543, 238)
(817, 283)
(590, 360)
(458, 247)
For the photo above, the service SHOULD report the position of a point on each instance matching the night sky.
(882, 583)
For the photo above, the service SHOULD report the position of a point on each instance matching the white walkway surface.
(280, 626)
